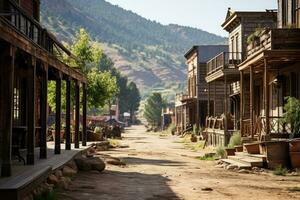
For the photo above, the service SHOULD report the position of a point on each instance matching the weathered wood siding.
(201, 85)
(251, 23)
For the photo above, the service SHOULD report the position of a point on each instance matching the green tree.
(101, 85)
(134, 98)
(153, 109)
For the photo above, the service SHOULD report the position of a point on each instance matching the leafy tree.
(101, 85)
(134, 98)
(153, 109)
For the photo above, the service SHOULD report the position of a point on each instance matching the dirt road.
(160, 168)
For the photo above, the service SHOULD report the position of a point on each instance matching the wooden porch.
(269, 74)
(26, 177)
(30, 57)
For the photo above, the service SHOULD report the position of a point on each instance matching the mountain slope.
(151, 54)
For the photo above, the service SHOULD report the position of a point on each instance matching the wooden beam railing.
(32, 30)
(223, 60)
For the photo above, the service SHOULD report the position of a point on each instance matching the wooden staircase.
(245, 160)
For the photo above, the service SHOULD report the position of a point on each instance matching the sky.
(207, 15)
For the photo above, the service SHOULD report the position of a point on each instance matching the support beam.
(84, 107)
(58, 113)
(44, 113)
(6, 106)
(31, 88)
(77, 114)
(68, 114)
(266, 97)
(242, 102)
(251, 102)
(225, 104)
(208, 101)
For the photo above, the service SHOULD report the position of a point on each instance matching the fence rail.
(224, 60)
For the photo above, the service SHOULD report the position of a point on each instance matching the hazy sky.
(205, 14)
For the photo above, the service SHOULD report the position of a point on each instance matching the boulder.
(63, 183)
(68, 171)
(87, 164)
(58, 174)
(115, 162)
(52, 179)
(72, 165)
(82, 164)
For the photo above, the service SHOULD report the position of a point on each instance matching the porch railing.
(224, 60)
(32, 30)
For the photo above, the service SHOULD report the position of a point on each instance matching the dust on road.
(159, 168)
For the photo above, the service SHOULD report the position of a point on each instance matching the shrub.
(220, 152)
(172, 129)
(292, 115)
(280, 171)
(208, 157)
(235, 140)
(195, 129)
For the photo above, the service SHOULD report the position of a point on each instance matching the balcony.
(273, 39)
(33, 31)
(223, 64)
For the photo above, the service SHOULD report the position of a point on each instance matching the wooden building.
(223, 75)
(191, 108)
(29, 58)
(270, 73)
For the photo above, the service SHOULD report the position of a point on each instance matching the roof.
(206, 52)
(231, 16)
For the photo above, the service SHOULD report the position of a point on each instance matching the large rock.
(87, 164)
(52, 179)
(58, 174)
(68, 171)
(72, 165)
(63, 183)
(115, 162)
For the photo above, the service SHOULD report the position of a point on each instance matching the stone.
(194, 138)
(243, 171)
(97, 164)
(115, 162)
(63, 183)
(58, 174)
(230, 167)
(72, 165)
(52, 179)
(87, 164)
(207, 189)
(68, 171)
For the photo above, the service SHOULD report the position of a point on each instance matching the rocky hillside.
(151, 54)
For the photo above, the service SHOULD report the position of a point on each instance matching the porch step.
(237, 164)
(248, 160)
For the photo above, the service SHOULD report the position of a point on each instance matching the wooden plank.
(44, 113)
(84, 107)
(77, 113)
(58, 113)
(68, 114)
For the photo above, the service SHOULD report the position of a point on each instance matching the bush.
(220, 152)
(172, 129)
(280, 171)
(235, 140)
(292, 115)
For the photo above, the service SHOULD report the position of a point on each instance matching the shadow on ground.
(112, 185)
(159, 162)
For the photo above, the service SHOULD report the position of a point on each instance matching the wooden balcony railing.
(224, 60)
(272, 39)
(32, 30)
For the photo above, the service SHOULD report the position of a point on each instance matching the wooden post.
(77, 114)
(84, 105)
(68, 114)
(251, 102)
(6, 106)
(241, 102)
(31, 89)
(225, 110)
(57, 113)
(44, 114)
(266, 97)
(208, 101)
(215, 88)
